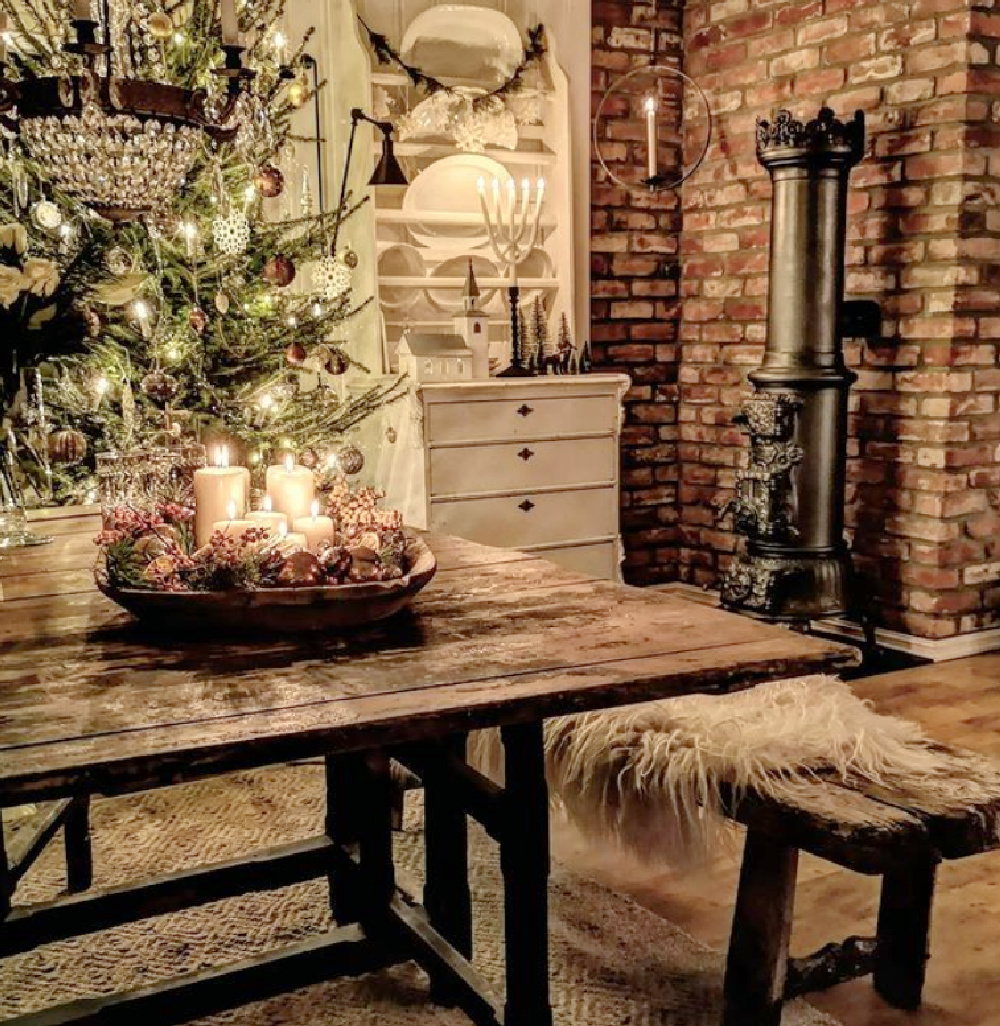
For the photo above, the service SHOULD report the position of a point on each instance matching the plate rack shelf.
(424, 301)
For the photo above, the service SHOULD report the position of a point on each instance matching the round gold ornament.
(309, 459)
(279, 270)
(198, 320)
(295, 354)
(350, 258)
(160, 26)
(159, 386)
(298, 91)
(270, 181)
(67, 446)
(336, 363)
(351, 459)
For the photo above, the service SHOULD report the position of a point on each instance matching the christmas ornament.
(231, 233)
(270, 181)
(198, 320)
(67, 446)
(130, 415)
(305, 194)
(351, 459)
(279, 270)
(335, 363)
(159, 26)
(350, 258)
(159, 386)
(301, 570)
(391, 435)
(298, 89)
(309, 459)
(118, 261)
(296, 353)
(330, 278)
(46, 215)
(93, 322)
(222, 302)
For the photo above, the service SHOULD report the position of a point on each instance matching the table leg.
(446, 891)
(6, 884)
(343, 812)
(76, 841)
(524, 860)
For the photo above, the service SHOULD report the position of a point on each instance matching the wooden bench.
(868, 830)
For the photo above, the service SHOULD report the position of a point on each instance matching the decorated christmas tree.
(213, 299)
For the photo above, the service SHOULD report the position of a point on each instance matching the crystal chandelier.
(121, 146)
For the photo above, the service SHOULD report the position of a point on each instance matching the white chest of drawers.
(526, 463)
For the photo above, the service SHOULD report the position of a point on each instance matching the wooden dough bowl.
(280, 610)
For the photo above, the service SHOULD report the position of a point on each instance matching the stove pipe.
(789, 501)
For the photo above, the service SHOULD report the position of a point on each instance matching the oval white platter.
(452, 185)
(458, 44)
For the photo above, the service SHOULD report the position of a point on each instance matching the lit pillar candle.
(290, 541)
(269, 518)
(214, 489)
(230, 25)
(316, 529)
(292, 489)
(232, 526)
(651, 135)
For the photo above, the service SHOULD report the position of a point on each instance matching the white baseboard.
(938, 650)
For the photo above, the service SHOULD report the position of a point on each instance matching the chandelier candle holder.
(512, 223)
(121, 146)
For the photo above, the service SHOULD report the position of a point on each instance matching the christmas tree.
(217, 312)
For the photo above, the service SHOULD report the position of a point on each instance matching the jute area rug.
(613, 962)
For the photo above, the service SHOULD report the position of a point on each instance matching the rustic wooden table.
(91, 706)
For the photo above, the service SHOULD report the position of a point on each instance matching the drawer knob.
(525, 410)
(527, 505)
(526, 454)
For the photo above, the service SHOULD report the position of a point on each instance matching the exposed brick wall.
(634, 310)
(924, 239)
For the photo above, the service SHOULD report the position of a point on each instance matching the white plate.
(399, 260)
(447, 186)
(449, 300)
(459, 44)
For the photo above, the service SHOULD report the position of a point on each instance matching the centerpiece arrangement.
(304, 560)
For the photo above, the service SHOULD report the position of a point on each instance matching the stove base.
(787, 586)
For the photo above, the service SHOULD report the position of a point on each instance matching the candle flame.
(315, 508)
(650, 105)
(231, 509)
(289, 462)
(268, 504)
(222, 456)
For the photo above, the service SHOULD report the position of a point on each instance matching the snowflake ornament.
(331, 278)
(231, 233)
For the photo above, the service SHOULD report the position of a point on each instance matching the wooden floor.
(957, 702)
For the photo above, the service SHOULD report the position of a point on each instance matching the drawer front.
(506, 419)
(469, 470)
(598, 560)
(541, 518)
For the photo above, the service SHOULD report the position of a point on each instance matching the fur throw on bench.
(651, 777)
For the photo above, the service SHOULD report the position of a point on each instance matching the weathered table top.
(88, 702)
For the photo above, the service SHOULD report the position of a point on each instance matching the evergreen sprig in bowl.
(252, 585)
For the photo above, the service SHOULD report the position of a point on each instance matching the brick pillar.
(634, 311)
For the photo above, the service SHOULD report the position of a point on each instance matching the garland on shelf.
(385, 53)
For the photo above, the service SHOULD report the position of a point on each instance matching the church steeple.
(473, 324)
(471, 294)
